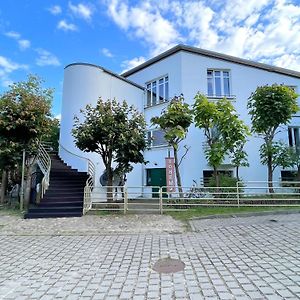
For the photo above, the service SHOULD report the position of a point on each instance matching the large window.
(156, 138)
(218, 83)
(294, 136)
(158, 91)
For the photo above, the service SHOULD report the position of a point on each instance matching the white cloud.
(129, 64)
(261, 30)
(145, 22)
(106, 52)
(13, 34)
(55, 10)
(64, 25)
(81, 10)
(46, 58)
(24, 44)
(6, 68)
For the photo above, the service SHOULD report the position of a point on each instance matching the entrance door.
(156, 177)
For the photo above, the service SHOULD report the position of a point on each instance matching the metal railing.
(44, 163)
(138, 199)
(90, 182)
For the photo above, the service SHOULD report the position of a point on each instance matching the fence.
(159, 199)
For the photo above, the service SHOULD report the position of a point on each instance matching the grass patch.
(12, 211)
(185, 215)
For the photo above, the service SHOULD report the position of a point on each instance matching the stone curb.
(247, 214)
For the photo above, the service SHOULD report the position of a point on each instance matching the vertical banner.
(170, 174)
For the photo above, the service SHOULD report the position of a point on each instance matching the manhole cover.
(168, 265)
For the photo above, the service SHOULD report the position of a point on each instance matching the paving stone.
(233, 258)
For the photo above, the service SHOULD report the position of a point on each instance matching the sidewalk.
(90, 225)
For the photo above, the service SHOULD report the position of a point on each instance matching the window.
(294, 137)
(218, 83)
(158, 91)
(156, 138)
(208, 174)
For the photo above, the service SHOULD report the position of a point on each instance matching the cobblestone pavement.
(240, 258)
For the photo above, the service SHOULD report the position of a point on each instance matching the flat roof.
(211, 54)
(108, 72)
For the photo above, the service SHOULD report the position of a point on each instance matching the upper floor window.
(218, 83)
(158, 91)
(156, 138)
(294, 137)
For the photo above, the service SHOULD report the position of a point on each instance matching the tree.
(223, 130)
(116, 132)
(175, 121)
(24, 120)
(269, 108)
(52, 136)
(239, 157)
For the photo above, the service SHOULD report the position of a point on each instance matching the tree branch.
(182, 157)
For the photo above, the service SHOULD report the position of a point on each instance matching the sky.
(42, 37)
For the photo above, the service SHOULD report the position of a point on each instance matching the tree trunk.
(27, 186)
(217, 178)
(237, 173)
(110, 196)
(270, 175)
(177, 172)
(3, 186)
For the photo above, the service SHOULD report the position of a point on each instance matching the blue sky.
(42, 37)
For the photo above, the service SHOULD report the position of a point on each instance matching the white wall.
(84, 84)
(188, 74)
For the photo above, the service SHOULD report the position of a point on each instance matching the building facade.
(150, 86)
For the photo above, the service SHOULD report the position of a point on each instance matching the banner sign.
(170, 174)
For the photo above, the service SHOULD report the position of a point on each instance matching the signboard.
(170, 174)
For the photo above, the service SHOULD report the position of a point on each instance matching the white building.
(151, 85)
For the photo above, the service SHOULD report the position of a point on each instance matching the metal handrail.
(90, 182)
(44, 162)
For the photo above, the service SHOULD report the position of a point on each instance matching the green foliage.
(239, 157)
(175, 121)
(270, 107)
(223, 130)
(114, 130)
(227, 185)
(225, 181)
(282, 155)
(52, 136)
(24, 119)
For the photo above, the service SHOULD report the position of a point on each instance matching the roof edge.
(212, 54)
(106, 71)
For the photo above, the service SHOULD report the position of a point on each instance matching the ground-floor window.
(288, 175)
(207, 174)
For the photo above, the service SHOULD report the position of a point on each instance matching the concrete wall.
(188, 74)
(84, 84)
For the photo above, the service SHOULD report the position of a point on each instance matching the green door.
(156, 177)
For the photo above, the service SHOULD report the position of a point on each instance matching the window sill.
(155, 105)
(231, 97)
(157, 147)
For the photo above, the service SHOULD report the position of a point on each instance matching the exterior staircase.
(64, 197)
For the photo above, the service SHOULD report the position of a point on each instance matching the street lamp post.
(22, 182)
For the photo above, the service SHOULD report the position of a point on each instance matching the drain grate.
(169, 265)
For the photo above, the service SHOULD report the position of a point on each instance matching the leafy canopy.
(270, 107)
(114, 130)
(175, 121)
(223, 130)
(24, 118)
